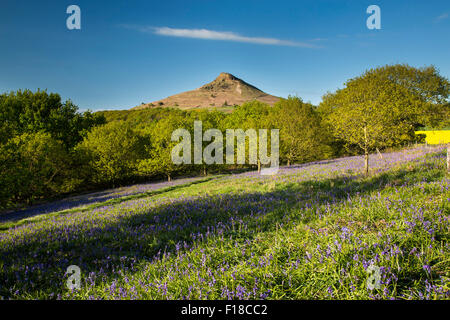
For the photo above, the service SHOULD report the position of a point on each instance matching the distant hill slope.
(225, 90)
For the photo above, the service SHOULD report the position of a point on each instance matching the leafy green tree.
(426, 84)
(33, 165)
(158, 159)
(250, 115)
(373, 111)
(445, 123)
(27, 112)
(300, 131)
(210, 120)
(338, 146)
(114, 151)
(140, 118)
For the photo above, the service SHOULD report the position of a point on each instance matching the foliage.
(425, 83)
(250, 115)
(140, 118)
(113, 151)
(376, 110)
(25, 111)
(33, 165)
(157, 160)
(371, 112)
(210, 120)
(301, 137)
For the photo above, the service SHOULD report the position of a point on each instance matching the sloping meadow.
(310, 232)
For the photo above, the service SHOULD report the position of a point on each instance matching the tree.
(113, 151)
(33, 165)
(28, 112)
(210, 120)
(426, 84)
(300, 136)
(158, 152)
(373, 111)
(250, 115)
(336, 146)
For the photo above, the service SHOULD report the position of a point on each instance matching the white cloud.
(441, 17)
(206, 34)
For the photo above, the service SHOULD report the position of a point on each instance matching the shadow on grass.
(140, 236)
(91, 201)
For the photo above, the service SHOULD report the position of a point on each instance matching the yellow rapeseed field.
(436, 136)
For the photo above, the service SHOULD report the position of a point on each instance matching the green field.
(309, 232)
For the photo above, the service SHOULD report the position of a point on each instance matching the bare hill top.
(225, 90)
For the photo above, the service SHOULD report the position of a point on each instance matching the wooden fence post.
(448, 157)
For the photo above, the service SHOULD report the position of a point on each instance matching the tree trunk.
(259, 166)
(169, 178)
(204, 171)
(366, 162)
(289, 162)
(366, 153)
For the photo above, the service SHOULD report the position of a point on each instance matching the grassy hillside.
(309, 232)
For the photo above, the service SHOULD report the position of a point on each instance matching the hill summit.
(225, 90)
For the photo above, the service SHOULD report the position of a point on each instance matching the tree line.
(48, 148)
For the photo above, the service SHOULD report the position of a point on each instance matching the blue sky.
(128, 52)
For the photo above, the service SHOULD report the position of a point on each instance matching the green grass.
(110, 202)
(246, 238)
